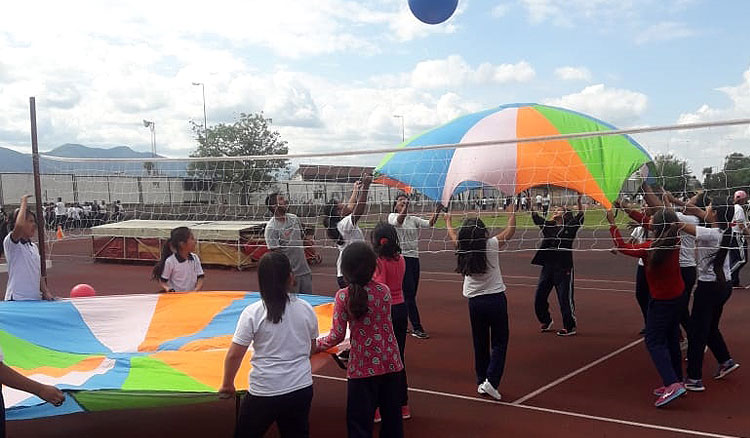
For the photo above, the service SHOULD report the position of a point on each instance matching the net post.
(41, 235)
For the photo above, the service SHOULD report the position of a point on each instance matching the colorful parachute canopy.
(115, 352)
(594, 166)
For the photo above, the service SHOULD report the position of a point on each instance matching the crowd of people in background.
(77, 215)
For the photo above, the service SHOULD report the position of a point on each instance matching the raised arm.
(361, 190)
(20, 218)
(438, 209)
(692, 209)
(652, 200)
(507, 234)
(538, 220)
(579, 203)
(630, 249)
(451, 231)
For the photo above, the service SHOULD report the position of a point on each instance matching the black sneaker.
(420, 334)
(566, 332)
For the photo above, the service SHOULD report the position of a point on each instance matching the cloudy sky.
(332, 73)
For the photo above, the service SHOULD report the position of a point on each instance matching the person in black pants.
(555, 256)
(713, 291)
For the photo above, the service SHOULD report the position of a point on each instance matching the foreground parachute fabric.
(116, 352)
(595, 166)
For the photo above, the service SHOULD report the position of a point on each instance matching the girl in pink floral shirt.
(374, 362)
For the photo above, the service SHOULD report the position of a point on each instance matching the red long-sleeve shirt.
(664, 281)
(641, 218)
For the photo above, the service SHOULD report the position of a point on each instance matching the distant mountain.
(79, 151)
(12, 161)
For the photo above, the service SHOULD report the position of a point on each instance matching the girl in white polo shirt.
(282, 329)
(179, 269)
(24, 268)
(479, 263)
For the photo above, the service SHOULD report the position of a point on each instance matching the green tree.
(734, 175)
(248, 135)
(674, 174)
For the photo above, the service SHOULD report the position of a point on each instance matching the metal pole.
(205, 118)
(38, 191)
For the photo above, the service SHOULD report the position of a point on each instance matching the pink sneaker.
(377, 418)
(659, 391)
(405, 412)
(671, 392)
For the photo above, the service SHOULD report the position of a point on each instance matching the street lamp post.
(399, 116)
(205, 118)
(152, 127)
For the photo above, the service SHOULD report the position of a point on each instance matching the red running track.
(598, 383)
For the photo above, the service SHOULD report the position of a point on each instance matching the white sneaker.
(480, 391)
(487, 388)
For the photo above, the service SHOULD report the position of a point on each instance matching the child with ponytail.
(661, 260)
(390, 271)
(179, 269)
(375, 364)
(713, 291)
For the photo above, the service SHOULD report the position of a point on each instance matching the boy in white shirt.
(407, 227)
(24, 265)
(738, 254)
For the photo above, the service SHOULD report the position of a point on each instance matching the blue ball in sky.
(433, 11)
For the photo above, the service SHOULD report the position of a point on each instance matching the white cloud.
(708, 147)
(613, 16)
(664, 31)
(454, 71)
(568, 73)
(500, 10)
(617, 106)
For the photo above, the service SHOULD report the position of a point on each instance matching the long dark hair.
(358, 263)
(331, 220)
(724, 209)
(472, 247)
(273, 278)
(385, 241)
(172, 245)
(664, 225)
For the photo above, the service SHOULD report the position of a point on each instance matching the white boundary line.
(576, 372)
(557, 412)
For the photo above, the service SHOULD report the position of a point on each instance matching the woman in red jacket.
(661, 258)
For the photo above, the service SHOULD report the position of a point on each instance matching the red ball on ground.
(82, 290)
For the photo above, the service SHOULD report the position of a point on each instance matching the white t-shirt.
(281, 356)
(707, 241)
(491, 282)
(182, 276)
(639, 236)
(60, 209)
(687, 242)
(739, 218)
(408, 233)
(538, 199)
(24, 270)
(546, 200)
(350, 232)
